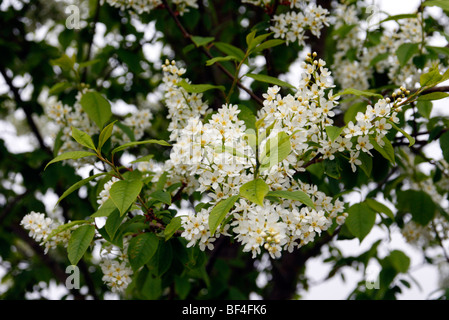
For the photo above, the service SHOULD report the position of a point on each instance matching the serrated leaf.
(360, 220)
(276, 150)
(64, 227)
(79, 242)
(443, 4)
(97, 108)
(424, 108)
(268, 44)
(59, 87)
(105, 210)
(172, 227)
(359, 93)
(433, 96)
(399, 260)
(367, 163)
(387, 150)
(78, 185)
(64, 62)
(124, 193)
(105, 134)
(293, 195)
(406, 51)
(230, 50)
(141, 249)
(269, 79)
(161, 196)
(71, 155)
(431, 78)
(136, 143)
(201, 41)
(444, 145)
(333, 132)
(83, 138)
(198, 88)
(255, 191)
(219, 59)
(219, 212)
(409, 137)
(113, 222)
(379, 207)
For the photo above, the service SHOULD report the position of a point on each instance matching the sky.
(336, 288)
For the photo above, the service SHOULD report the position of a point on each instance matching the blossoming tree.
(191, 149)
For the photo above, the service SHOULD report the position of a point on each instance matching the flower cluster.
(145, 6)
(293, 25)
(115, 267)
(355, 64)
(65, 117)
(222, 154)
(40, 227)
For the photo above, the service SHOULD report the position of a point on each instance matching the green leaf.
(105, 210)
(161, 196)
(124, 193)
(219, 59)
(198, 88)
(444, 145)
(399, 260)
(64, 62)
(399, 17)
(59, 87)
(78, 185)
(220, 211)
(411, 140)
(161, 260)
(333, 132)
(269, 79)
(276, 150)
(431, 78)
(88, 63)
(71, 155)
(143, 159)
(406, 51)
(83, 138)
(136, 143)
(293, 195)
(230, 50)
(255, 191)
(367, 163)
(359, 93)
(64, 227)
(387, 150)
(172, 227)
(79, 241)
(141, 249)
(105, 134)
(424, 108)
(379, 207)
(433, 96)
(201, 41)
(360, 220)
(420, 205)
(268, 44)
(113, 222)
(247, 116)
(443, 4)
(97, 108)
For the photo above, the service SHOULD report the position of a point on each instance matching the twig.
(188, 36)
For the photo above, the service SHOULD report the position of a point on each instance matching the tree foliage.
(172, 156)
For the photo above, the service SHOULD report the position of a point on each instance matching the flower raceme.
(231, 150)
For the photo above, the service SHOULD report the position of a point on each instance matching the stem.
(188, 36)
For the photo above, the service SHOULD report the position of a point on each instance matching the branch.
(188, 36)
(25, 107)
